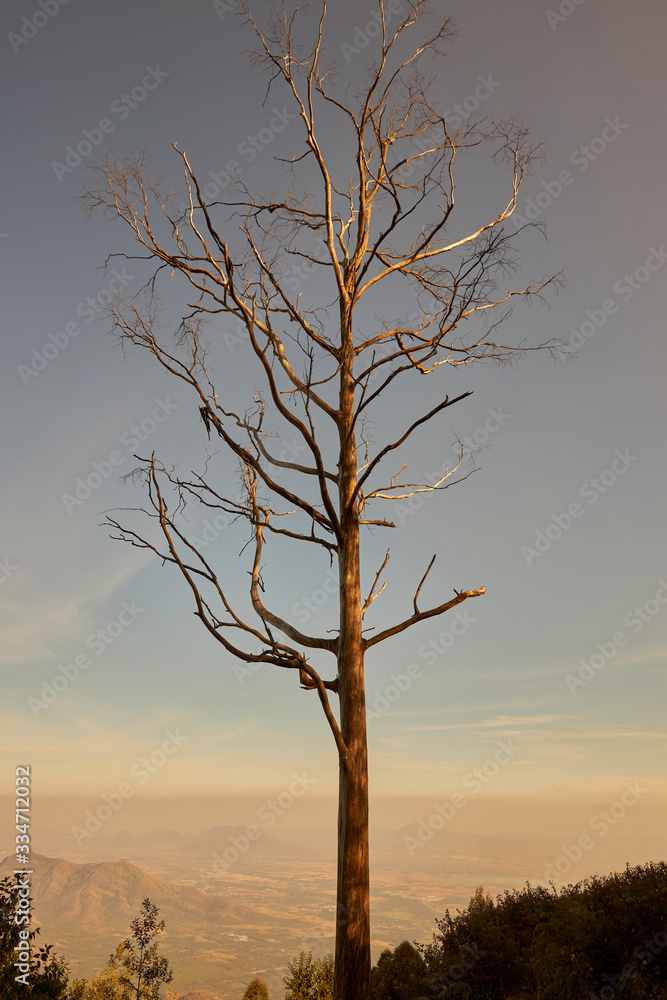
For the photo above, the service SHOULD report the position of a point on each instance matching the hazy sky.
(589, 433)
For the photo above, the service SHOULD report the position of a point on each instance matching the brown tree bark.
(352, 969)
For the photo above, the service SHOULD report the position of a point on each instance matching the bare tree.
(384, 213)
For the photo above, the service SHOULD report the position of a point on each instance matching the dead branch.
(421, 584)
(371, 595)
(422, 615)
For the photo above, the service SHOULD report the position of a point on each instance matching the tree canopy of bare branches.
(375, 206)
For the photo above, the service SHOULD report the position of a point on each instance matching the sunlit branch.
(422, 615)
(371, 594)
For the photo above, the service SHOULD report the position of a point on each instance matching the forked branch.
(423, 615)
(372, 595)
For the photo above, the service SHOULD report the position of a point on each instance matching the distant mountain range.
(106, 896)
(199, 847)
(227, 923)
(95, 904)
(318, 843)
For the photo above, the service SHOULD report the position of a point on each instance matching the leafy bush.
(605, 937)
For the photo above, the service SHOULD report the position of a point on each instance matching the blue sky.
(588, 433)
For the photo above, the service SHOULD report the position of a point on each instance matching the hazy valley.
(228, 922)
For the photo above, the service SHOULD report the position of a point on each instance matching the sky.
(563, 659)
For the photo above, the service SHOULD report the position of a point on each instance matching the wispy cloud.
(512, 675)
(612, 734)
(500, 721)
(86, 732)
(61, 580)
(41, 617)
(393, 741)
(222, 736)
(643, 657)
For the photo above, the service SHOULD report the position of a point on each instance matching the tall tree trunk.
(352, 979)
(353, 968)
